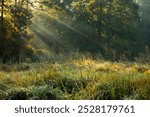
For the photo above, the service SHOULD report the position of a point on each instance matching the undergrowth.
(80, 78)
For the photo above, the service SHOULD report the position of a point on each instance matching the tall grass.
(75, 76)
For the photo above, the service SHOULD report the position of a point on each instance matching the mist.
(145, 10)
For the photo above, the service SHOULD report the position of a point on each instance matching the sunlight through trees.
(114, 28)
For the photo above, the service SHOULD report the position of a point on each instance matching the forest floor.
(75, 79)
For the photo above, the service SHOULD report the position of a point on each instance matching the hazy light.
(50, 33)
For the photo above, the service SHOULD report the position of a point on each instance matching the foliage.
(115, 28)
(15, 35)
(145, 20)
(116, 23)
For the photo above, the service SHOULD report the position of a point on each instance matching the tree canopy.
(117, 25)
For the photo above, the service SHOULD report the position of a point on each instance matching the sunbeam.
(53, 30)
(65, 24)
(47, 36)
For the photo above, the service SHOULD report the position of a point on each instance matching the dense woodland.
(114, 28)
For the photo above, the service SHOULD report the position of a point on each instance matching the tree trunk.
(2, 15)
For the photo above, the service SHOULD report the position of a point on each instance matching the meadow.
(74, 50)
(75, 77)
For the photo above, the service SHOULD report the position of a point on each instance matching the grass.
(80, 78)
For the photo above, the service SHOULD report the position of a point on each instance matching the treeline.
(121, 30)
(121, 27)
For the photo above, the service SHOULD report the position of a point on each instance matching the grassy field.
(81, 78)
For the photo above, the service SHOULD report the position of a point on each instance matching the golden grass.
(82, 79)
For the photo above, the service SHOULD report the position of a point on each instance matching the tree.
(145, 20)
(116, 23)
(2, 13)
(15, 36)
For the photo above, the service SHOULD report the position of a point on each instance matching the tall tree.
(115, 21)
(15, 35)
